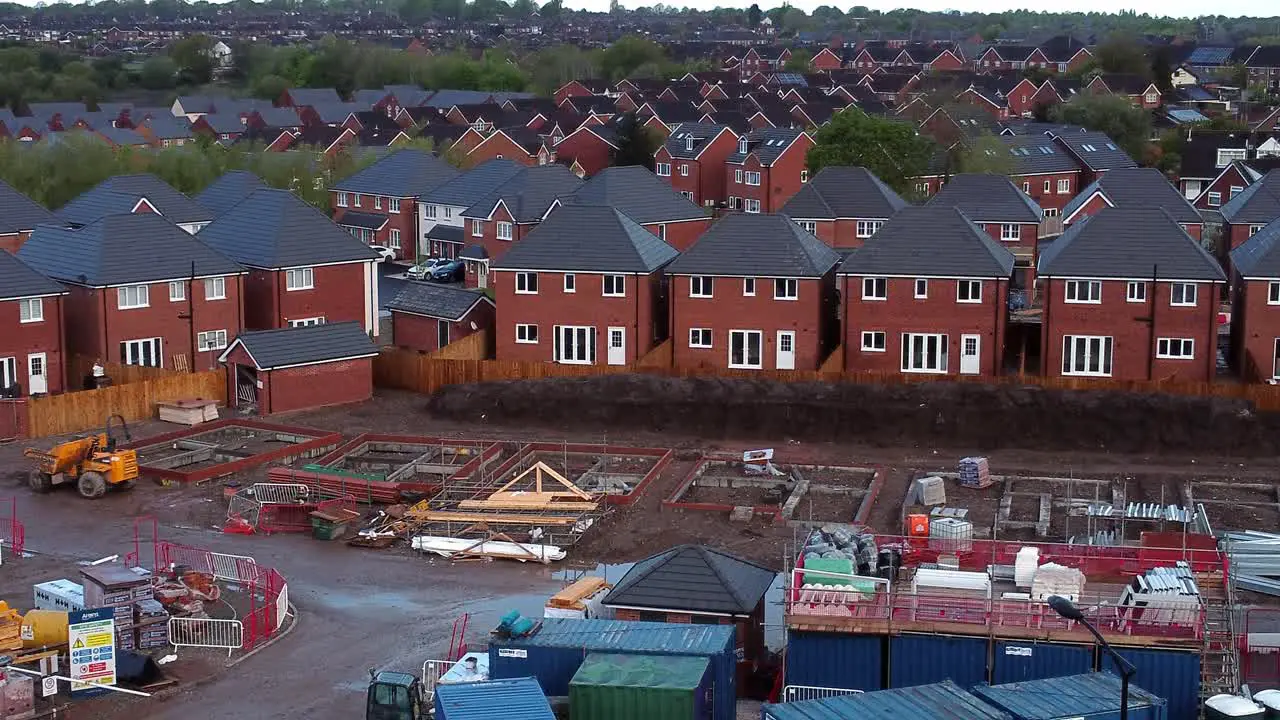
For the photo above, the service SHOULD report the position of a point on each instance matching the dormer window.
(688, 143)
(742, 146)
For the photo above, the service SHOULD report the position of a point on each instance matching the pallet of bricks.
(975, 472)
(119, 588)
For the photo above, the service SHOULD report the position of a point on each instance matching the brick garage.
(275, 371)
(427, 316)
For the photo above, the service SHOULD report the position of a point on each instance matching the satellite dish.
(474, 326)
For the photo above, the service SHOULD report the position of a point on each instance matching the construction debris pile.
(183, 592)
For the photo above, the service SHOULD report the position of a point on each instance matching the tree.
(984, 154)
(268, 87)
(1121, 55)
(636, 142)
(753, 15)
(890, 149)
(157, 73)
(552, 10)
(1162, 70)
(194, 58)
(1114, 115)
(801, 61)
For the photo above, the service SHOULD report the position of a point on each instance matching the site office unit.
(401, 228)
(310, 295)
(566, 317)
(150, 323)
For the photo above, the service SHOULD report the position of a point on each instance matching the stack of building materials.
(116, 587)
(1052, 579)
(957, 583)
(930, 491)
(61, 595)
(1166, 595)
(1024, 566)
(151, 625)
(1255, 560)
(10, 629)
(975, 472)
(951, 535)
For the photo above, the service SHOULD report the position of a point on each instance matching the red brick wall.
(809, 316)
(338, 295)
(841, 233)
(1133, 343)
(499, 145)
(681, 235)
(1092, 206)
(495, 247)
(571, 89)
(406, 221)
(1259, 325)
(586, 306)
(12, 242)
(417, 332)
(826, 60)
(938, 313)
(19, 339)
(706, 179)
(1222, 186)
(312, 386)
(592, 153)
(1053, 198)
(86, 333)
(947, 62)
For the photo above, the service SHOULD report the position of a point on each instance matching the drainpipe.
(635, 341)
(191, 318)
(1044, 328)
(842, 300)
(996, 345)
(106, 331)
(1151, 326)
(1212, 354)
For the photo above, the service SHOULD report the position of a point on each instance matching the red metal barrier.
(11, 530)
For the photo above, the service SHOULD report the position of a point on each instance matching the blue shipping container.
(835, 660)
(1014, 661)
(556, 651)
(923, 702)
(1170, 674)
(925, 659)
(515, 699)
(1091, 696)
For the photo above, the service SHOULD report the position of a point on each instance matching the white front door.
(617, 346)
(786, 350)
(37, 376)
(482, 274)
(970, 354)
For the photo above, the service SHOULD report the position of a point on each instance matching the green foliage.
(984, 154)
(889, 148)
(1122, 55)
(754, 15)
(801, 61)
(1114, 115)
(636, 142)
(158, 73)
(194, 58)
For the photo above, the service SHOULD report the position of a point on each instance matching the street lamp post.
(1068, 610)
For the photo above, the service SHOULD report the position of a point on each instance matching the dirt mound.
(956, 415)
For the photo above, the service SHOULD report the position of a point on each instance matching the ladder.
(1220, 659)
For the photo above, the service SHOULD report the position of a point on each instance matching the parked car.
(422, 270)
(384, 253)
(448, 271)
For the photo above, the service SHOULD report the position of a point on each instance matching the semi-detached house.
(644, 198)
(379, 205)
(142, 291)
(31, 338)
(440, 211)
(303, 269)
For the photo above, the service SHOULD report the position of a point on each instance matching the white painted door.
(37, 375)
(786, 350)
(970, 354)
(617, 346)
(482, 274)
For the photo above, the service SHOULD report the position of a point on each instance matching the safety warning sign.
(92, 636)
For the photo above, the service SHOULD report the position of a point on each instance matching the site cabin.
(31, 338)
(274, 371)
(428, 316)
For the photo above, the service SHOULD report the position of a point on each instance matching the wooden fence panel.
(659, 357)
(79, 411)
(472, 347)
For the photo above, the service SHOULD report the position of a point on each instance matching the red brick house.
(520, 144)
(1252, 209)
(142, 193)
(19, 215)
(580, 88)
(843, 206)
(303, 269)
(1096, 153)
(440, 211)
(379, 205)
(767, 168)
(732, 311)
(1059, 54)
(1007, 214)
(692, 160)
(579, 298)
(644, 198)
(31, 318)
(1140, 91)
(591, 146)
(1043, 170)
(826, 60)
(763, 58)
(1133, 187)
(1129, 295)
(276, 371)
(1230, 182)
(508, 213)
(429, 316)
(1255, 314)
(926, 294)
(142, 291)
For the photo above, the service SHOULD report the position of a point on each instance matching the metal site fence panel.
(206, 633)
(794, 693)
(12, 532)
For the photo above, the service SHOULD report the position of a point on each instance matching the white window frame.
(526, 283)
(940, 359)
(355, 200)
(746, 363)
(215, 288)
(752, 178)
(343, 200)
(1175, 348)
(684, 169)
(1026, 187)
(701, 338)
(662, 169)
(394, 239)
(503, 231)
(132, 350)
(874, 341)
(875, 288)
(1226, 155)
(477, 227)
(141, 297)
(30, 310)
(1010, 232)
(1104, 345)
(558, 344)
(921, 289)
(619, 283)
(1048, 187)
(1064, 186)
(804, 176)
(786, 289)
(701, 286)
(737, 175)
(751, 206)
(211, 340)
(8, 372)
(1214, 199)
(808, 226)
(570, 283)
(393, 205)
(307, 322)
(303, 278)
(526, 334)
(1254, 229)
(430, 211)
(965, 292)
(867, 228)
(1071, 293)
(1273, 293)
(1135, 291)
(749, 287)
(377, 202)
(177, 291)
(1174, 299)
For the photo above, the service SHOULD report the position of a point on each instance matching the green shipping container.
(641, 687)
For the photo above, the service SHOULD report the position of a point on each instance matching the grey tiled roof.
(1129, 242)
(435, 300)
(19, 212)
(275, 229)
(122, 249)
(1257, 257)
(110, 197)
(445, 99)
(588, 238)
(527, 194)
(695, 578)
(303, 345)
(756, 245)
(228, 190)
(1137, 187)
(168, 127)
(1096, 150)
(18, 280)
(364, 220)
(474, 252)
(278, 117)
(448, 233)
(703, 133)
(639, 194)
(480, 180)
(930, 241)
(767, 144)
(404, 173)
(844, 192)
(1257, 203)
(987, 199)
(1035, 154)
(313, 96)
